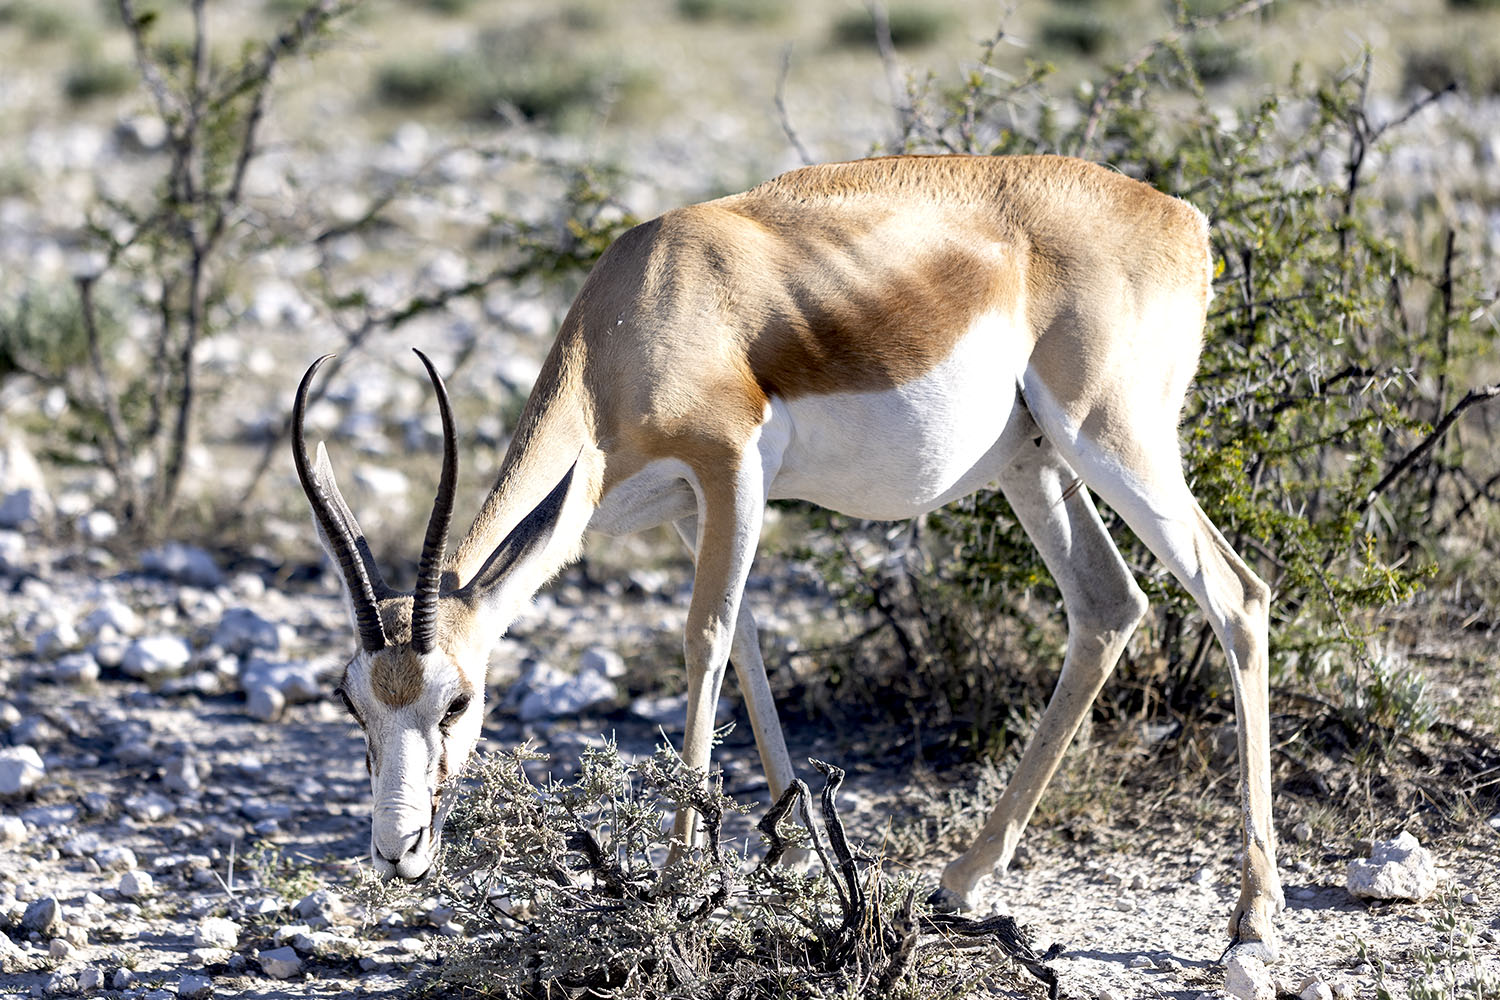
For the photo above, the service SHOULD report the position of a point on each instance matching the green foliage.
(910, 25)
(1472, 66)
(575, 886)
(533, 71)
(739, 11)
(1333, 345)
(1076, 29)
(1386, 691)
(418, 80)
(448, 8)
(41, 21)
(42, 331)
(91, 77)
(272, 871)
(1456, 966)
(1215, 59)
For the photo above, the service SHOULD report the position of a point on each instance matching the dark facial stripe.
(396, 676)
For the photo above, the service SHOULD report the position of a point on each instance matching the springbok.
(878, 337)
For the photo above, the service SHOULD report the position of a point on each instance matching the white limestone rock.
(136, 885)
(149, 807)
(156, 657)
(603, 661)
(1313, 988)
(1246, 978)
(12, 831)
(98, 526)
(60, 984)
(217, 932)
(280, 963)
(111, 614)
(76, 669)
(12, 550)
(43, 916)
(12, 958)
(21, 770)
(140, 133)
(115, 857)
(264, 703)
(56, 640)
(670, 711)
(24, 510)
(297, 680)
(19, 470)
(242, 631)
(1400, 868)
(546, 692)
(195, 987)
(183, 563)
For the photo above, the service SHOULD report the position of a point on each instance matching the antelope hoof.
(946, 900)
(1252, 934)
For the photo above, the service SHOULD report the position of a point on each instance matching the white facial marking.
(415, 751)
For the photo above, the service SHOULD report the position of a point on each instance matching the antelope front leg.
(731, 511)
(755, 687)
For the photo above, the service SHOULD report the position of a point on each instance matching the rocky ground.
(184, 806)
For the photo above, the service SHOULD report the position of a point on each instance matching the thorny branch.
(1480, 394)
(1132, 65)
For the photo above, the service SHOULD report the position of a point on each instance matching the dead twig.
(1479, 394)
(781, 112)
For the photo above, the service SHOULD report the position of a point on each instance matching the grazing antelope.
(878, 337)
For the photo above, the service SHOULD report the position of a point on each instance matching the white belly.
(901, 452)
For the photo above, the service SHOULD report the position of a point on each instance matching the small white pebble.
(1313, 988)
(135, 884)
(1469, 898)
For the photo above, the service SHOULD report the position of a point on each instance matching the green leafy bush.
(43, 331)
(1075, 29)
(534, 72)
(741, 11)
(910, 25)
(91, 77)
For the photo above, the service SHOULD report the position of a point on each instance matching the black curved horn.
(424, 605)
(361, 593)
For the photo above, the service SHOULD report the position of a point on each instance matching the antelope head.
(416, 682)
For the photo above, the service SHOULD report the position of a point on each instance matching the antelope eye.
(456, 708)
(348, 705)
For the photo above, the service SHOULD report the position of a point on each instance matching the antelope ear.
(514, 565)
(322, 474)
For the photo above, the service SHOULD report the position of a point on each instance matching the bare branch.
(781, 112)
(1474, 396)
